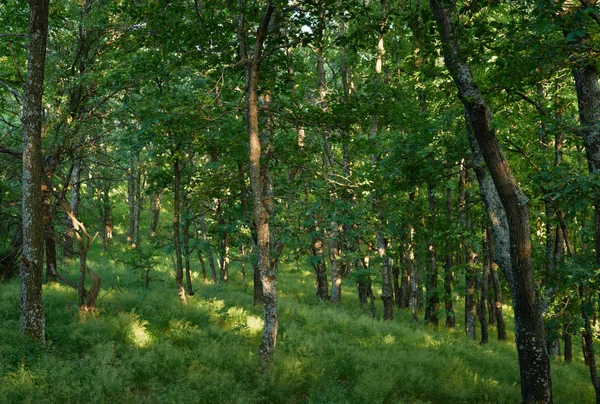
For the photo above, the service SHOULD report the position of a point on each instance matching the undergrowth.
(143, 346)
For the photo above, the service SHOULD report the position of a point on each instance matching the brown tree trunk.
(131, 201)
(500, 326)
(534, 363)
(470, 300)
(483, 288)
(32, 308)
(75, 199)
(448, 266)
(568, 347)
(258, 174)
(319, 266)
(155, 204)
(176, 226)
(432, 306)
(186, 248)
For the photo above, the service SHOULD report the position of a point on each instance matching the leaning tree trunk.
(32, 308)
(534, 362)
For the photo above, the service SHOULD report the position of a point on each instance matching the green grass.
(142, 346)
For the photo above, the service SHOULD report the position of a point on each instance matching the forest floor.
(143, 346)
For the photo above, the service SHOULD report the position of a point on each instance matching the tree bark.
(483, 287)
(32, 308)
(534, 362)
(155, 204)
(432, 306)
(448, 266)
(319, 266)
(268, 276)
(75, 200)
(176, 225)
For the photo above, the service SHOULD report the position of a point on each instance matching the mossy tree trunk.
(32, 309)
(534, 362)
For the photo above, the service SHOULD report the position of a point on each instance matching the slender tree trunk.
(176, 226)
(211, 260)
(483, 287)
(75, 199)
(335, 258)
(568, 347)
(448, 268)
(32, 308)
(534, 363)
(186, 248)
(48, 220)
(131, 201)
(258, 174)
(138, 201)
(413, 274)
(155, 204)
(470, 299)
(500, 326)
(433, 301)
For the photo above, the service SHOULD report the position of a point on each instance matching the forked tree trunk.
(32, 308)
(534, 362)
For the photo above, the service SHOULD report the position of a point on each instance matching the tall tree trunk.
(448, 268)
(588, 100)
(186, 247)
(432, 306)
(176, 226)
(534, 362)
(470, 299)
(138, 201)
(131, 201)
(483, 287)
(413, 268)
(32, 308)
(258, 174)
(499, 316)
(199, 254)
(223, 246)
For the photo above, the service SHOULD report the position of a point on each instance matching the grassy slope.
(142, 346)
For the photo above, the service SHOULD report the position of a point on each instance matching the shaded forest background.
(197, 153)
